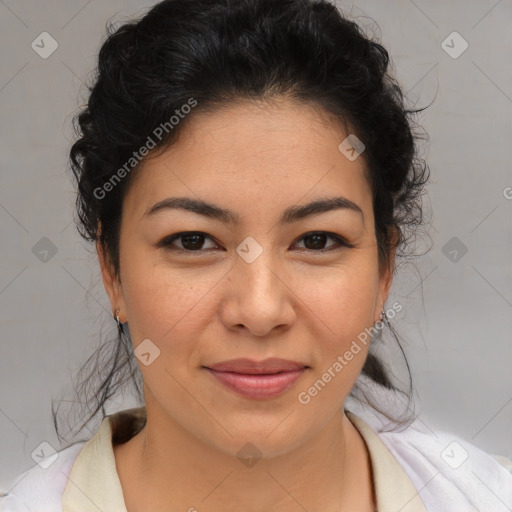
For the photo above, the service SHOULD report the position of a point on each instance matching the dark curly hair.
(217, 51)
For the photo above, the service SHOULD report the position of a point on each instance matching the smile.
(251, 385)
(258, 379)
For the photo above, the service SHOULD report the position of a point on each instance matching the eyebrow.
(292, 214)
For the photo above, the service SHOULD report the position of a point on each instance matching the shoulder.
(450, 470)
(44, 486)
(446, 469)
(444, 450)
(41, 486)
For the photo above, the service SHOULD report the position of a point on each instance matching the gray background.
(457, 317)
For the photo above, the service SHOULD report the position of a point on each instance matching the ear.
(386, 279)
(111, 283)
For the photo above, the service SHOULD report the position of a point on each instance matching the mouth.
(257, 379)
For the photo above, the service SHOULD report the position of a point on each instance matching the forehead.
(262, 155)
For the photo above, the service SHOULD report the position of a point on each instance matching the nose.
(258, 297)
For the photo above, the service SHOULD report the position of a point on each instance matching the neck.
(329, 471)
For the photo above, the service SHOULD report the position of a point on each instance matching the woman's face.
(256, 288)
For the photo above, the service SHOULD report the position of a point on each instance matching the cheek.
(342, 310)
(163, 303)
(343, 300)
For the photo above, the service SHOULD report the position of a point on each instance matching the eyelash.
(167, 242)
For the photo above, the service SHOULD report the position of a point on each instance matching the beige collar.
(94, 483)
(394, 490)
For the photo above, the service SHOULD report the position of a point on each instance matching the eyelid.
(339, 240)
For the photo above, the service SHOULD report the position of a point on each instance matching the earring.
(117, 318)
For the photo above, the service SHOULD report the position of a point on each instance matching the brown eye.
(316, 241)
(191, 241)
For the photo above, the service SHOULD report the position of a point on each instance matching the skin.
(202, 308)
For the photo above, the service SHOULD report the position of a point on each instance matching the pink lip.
(253, 379)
